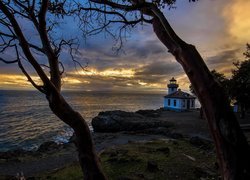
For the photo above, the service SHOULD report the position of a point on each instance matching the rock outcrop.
(115, 121)
(49, 146)
(12, 154)
(150, 113)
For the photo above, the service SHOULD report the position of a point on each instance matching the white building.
(176, 99)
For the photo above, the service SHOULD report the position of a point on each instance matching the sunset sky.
(218, 28)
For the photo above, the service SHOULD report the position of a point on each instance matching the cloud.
(223, 57)
(237, 16)
(219, 30)
(16, 81)
(222, 61)
(199, 23)
(159, 68)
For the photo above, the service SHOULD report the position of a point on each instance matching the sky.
(218, 29)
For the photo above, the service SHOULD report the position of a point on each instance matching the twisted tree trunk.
(52, 87)
(232, 148)
(88, 158)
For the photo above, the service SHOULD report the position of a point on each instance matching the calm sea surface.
(26, 120)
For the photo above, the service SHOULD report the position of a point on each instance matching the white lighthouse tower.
(172, 86)
(178, 100)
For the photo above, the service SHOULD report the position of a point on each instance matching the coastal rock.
(12, 154)
(49, 146)
(115, 121)
(72, 139)
(149, 113)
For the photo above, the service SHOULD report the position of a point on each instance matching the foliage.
(238, 87)
(219, 77)
(240, 82)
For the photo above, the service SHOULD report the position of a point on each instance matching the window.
(174, 102)
(192, 103)
(183, 103)
(168, 102)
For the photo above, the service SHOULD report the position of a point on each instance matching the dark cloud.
(223, 57)
(146, 49)
(223, 60)
(134, 54)
(159, 68)
(101, 83)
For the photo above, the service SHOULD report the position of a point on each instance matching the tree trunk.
(88, 159)
(242, 111)
(201, 113)
(231, 145)
(87, 156)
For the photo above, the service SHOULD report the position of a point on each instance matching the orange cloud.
(237, 16)
(15, 81)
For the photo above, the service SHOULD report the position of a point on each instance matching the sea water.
(26, 120)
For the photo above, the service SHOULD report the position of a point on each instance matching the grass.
(169, 159)
(72, 172)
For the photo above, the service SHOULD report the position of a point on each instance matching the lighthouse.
(172, 86)
(176, 99)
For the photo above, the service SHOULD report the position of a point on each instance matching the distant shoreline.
(95, 91)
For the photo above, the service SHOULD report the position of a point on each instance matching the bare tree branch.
(63, 69)
(36, 48)
(39, 88)
(52, 56)
(24, 44)
(8, 62)
(119, 6)
(9, 14)
(43, 65)
(7, 35)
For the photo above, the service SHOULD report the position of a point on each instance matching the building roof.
(173, 79)
(180, 94)
(173, 85)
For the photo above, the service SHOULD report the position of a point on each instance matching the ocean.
(26, 120)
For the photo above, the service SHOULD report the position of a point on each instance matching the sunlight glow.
(16, 80)
(69, 80)
(128, 73)
(237, 15)
(142, 83)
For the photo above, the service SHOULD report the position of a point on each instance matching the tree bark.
(242, 111)
(201, 112)
(88, 158)
(232, 149)
(51, 87)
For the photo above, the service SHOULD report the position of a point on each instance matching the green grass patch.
(72, 172)
(161, 160)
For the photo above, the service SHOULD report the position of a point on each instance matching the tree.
(221, 79)
(231, 145)
(13, 38)
(240, 83)
(224, 82)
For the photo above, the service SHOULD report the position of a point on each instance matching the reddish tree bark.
(51, 86)
(232, 149)
(88, 158)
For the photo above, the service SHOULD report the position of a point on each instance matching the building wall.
(178, 104)
(171, 90)
(174, 103)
